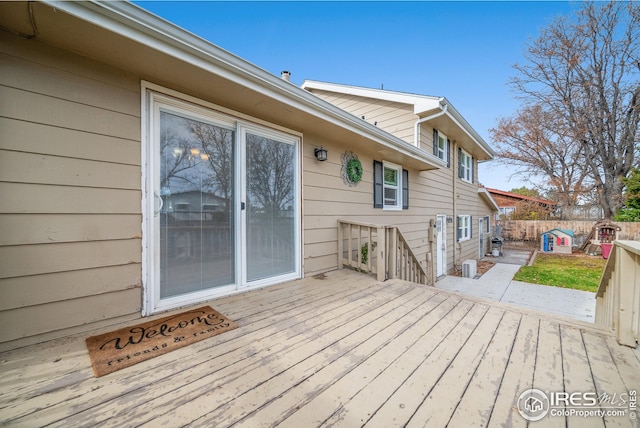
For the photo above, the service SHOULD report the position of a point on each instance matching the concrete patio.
(497, 284)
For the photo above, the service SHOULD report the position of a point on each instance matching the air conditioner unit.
(469, 268)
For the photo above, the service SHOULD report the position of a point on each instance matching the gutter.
(416, 131)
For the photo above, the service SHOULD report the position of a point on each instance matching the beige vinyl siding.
(327, 199)
(395, 118)
(70, 214)
(470, 203)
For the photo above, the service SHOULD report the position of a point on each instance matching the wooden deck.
(341, 350)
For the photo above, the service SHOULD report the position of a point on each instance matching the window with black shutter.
(390, 186)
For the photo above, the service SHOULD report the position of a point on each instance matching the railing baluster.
(394, 257)
(381, 254)
(369, 248)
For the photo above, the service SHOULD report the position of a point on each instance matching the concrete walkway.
(498, 284)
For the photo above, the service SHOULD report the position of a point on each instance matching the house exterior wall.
(430, 191)
(327, 199)
(395, 118)
(70, 214)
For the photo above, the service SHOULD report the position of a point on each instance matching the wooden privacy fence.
(618, 296)
(530, 230)
(381, 250)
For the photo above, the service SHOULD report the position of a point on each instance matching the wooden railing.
(381, 250)
(402, 262)
(618, 297)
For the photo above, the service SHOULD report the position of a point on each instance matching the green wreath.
(354, 170)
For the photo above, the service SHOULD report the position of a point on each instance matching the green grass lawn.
(577, 272)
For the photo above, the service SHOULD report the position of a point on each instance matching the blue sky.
(457, 49)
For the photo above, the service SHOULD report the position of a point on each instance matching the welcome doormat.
(130, 345)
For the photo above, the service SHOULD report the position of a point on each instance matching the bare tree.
(532, 139)
(585, 71)
(174, 154)
(270, 175)
(216, 144)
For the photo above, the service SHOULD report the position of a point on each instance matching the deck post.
(391, 254)
(626, 270)
(382, 247)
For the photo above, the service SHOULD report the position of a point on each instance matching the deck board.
(477, 401)
(340, 349)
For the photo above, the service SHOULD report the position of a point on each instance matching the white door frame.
(441, 245)
(153, 97)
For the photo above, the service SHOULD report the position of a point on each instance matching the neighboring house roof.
(486, 196)
(423, 106)
(146, 42)
(520, 197)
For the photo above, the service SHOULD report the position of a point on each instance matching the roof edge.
(142, 26)
(421, 104)
(487, 196)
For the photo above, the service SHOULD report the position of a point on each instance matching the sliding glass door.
(270, 203)
(225, 203)
(197, 227)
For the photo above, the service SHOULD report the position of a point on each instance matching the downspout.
(416, 142)
(416, 131)
(454, 175)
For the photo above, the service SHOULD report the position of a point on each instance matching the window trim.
(379, 186)
(464, 232)
(465, 165)
(446, 150)
(398, 187)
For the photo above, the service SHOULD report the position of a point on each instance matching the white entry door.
(225, 209)
(441, 244)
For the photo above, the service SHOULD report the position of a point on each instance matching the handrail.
(378, 249)
(618, 295)
(403, 263)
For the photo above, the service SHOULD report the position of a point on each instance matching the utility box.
(469, 269)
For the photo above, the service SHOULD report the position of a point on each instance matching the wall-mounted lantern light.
(320, 154)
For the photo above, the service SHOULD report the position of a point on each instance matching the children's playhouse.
(557, 241)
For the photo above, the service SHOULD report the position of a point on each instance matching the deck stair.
(381, 250)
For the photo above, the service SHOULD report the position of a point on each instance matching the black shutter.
(377, 185)
(448, 153)
(470, 226)
(458, 230)
(405, 189)
(459, 162)
(435, 141)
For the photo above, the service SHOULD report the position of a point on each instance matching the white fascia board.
(143, 27)
(420, 103)
(461, 122)
(487, 196)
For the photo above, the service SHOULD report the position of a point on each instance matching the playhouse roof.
(557, 232)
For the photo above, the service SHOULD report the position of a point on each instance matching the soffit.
(159, 59)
